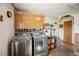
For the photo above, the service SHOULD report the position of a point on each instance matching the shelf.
(51, 43)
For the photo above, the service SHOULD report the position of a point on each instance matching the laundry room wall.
(76, 23)
(59, 33)
(52, 20)
(6, 28)
(75, 27)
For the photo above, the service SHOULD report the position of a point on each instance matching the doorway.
(67, 34)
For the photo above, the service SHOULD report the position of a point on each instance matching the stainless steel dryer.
(40, 44)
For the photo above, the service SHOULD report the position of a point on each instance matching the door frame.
(59, 22)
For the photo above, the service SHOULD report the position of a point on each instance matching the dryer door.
(40, 45)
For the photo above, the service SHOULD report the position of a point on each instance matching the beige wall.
(6, 27)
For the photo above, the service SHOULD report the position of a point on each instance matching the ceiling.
(49, 9)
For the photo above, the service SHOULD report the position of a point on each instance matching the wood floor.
(61, 51)
(55, 52)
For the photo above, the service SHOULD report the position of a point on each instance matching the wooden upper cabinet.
(17, 22)
(32, 22)
(38, 22)
(27, 21)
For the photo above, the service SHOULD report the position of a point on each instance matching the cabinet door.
(18, 21)
(37, 22)
(26, 21)
(32, 21)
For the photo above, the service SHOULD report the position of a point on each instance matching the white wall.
(52, 20)
(75, 27)
(76, 23)
(6, 27)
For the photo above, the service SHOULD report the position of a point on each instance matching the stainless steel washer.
(22, 45)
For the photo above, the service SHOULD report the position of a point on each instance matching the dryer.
(40, 44)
